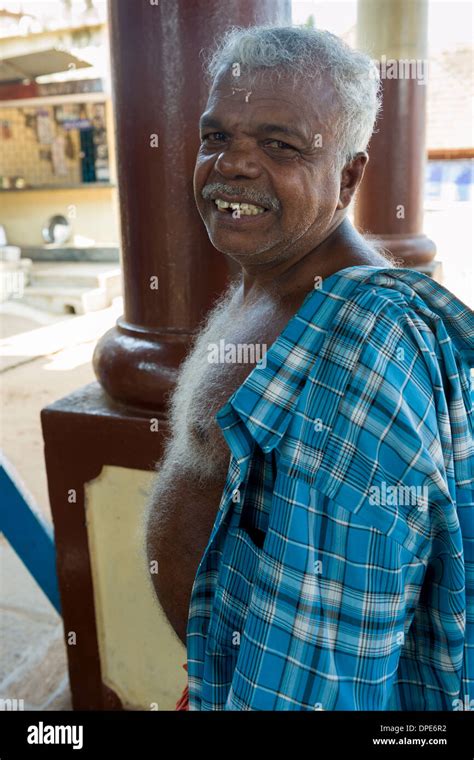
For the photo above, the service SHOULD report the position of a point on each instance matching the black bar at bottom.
(136, 734)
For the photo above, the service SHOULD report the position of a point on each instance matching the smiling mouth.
(238, 208)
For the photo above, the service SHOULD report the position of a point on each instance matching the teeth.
(245, 209)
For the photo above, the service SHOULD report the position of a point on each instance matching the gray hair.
(307, 54)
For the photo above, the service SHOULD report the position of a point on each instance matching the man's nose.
(238, 161)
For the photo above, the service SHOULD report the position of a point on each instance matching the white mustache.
(246, 193)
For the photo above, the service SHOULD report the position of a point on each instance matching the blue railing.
(27, 532)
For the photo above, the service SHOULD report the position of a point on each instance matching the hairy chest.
(222, 358)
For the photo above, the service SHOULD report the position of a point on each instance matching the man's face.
(267, 143)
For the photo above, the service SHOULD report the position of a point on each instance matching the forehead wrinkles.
(242, 101)
(236, 115)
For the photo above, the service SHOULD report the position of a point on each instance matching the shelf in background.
(99, 253)
(79, 186)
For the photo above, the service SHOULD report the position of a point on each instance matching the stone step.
(76, 275)
(61, 300)
(72, 288)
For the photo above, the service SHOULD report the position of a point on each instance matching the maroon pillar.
(389, 204)
(171, 272)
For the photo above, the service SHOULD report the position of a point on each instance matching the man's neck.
(291, 280)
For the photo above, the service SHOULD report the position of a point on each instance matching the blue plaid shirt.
(339, 573)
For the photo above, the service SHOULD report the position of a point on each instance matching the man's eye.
(279, 145)
(213, 137)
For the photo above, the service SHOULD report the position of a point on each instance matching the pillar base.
(138, 368)
(408, 250)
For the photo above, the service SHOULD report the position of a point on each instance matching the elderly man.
(312, 516)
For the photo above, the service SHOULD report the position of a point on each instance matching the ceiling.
(39, 63)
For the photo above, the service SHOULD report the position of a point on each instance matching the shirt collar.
(266, 399)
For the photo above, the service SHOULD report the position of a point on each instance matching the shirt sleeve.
(337, 620)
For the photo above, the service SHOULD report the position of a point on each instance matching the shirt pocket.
(256, 506)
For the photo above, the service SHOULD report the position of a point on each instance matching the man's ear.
(351, 178)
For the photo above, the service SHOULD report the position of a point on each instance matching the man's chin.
(239, 245)
(238, 252)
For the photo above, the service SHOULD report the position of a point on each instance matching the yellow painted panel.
(141, 657)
